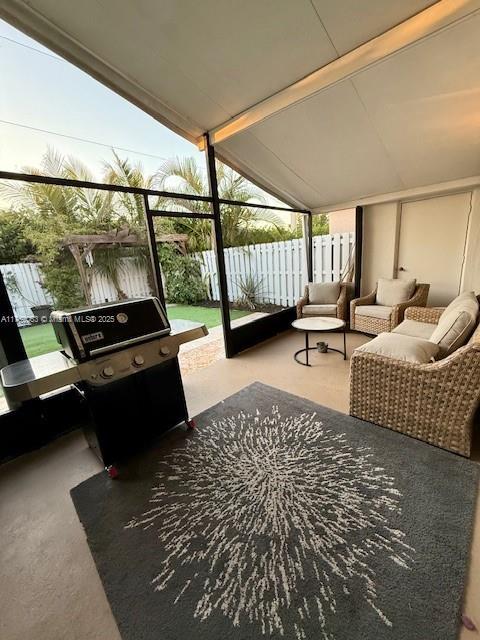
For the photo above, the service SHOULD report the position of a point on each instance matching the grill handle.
(128, 343)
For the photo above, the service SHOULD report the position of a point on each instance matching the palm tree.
(183, 175)
(129, 207)
(56, 212)
(130, 211)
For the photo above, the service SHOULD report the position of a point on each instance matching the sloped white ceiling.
(425, 105)
(350, 23)
(410, 120)
(207, 59)
(330, 144)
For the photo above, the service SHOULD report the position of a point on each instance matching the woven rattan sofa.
(368, 316)
(435, 401)
(328, 306)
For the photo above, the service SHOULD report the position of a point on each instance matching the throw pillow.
(456, 323)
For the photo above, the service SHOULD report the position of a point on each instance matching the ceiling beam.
(259, 180)
(459, 185)
(439, 16)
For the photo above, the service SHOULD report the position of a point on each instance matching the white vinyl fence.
(132, 280)
(279, 268)
(24, 285)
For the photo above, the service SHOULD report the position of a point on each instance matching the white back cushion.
(456, 323)
(395, 291)
(323, 292)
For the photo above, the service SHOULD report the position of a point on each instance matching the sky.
(41, 90)
(47, 102)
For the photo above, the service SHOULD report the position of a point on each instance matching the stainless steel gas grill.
(122, 359)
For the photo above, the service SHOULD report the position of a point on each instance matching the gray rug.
(282, 519)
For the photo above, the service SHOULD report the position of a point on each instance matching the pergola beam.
(114, 238)
(424, 24)
(102, 238)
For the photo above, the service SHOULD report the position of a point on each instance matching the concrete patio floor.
(50, 589)
(204, 351)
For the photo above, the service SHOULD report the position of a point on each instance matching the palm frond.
(187, 174)
(269, 217)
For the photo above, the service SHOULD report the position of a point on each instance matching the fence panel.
(24, 282)
(25, 289)
(278, 267)
(132, 281)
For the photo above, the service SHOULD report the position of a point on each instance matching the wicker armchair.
(346, 289)
(376, 325)
(434, 402)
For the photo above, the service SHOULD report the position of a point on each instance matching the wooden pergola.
(81, 246)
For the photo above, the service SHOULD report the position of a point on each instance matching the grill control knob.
(164, 351)
(138, 360)
(107, 372)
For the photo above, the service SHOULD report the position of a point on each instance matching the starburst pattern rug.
(281, 519)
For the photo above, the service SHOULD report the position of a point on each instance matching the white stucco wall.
(471, 272)
(342, 221)
(379, 240)
(381, 231)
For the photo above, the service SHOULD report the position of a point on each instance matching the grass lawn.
(210, 316)
(41, 338)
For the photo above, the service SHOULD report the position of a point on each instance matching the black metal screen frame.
(358, 249)
(41, 420)
(358, 254)
(236, 339)
(247, 335)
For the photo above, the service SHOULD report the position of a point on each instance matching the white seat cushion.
(320, 310)
(456, 323)
(400, 347)
(415, 329)
(374, 311)
(394, 291)
(323, 292)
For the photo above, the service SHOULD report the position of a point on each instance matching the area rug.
(281, 519)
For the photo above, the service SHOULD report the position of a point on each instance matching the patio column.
(220, 257)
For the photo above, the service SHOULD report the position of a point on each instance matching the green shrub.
(62, 281)
(183, 277)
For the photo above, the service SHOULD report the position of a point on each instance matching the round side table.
(318, 324)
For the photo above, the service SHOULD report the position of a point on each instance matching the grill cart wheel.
(112, 472)
(190, 424)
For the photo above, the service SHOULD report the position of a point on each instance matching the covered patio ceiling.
(320, 102)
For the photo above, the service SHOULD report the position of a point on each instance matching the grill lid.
(87, 333)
